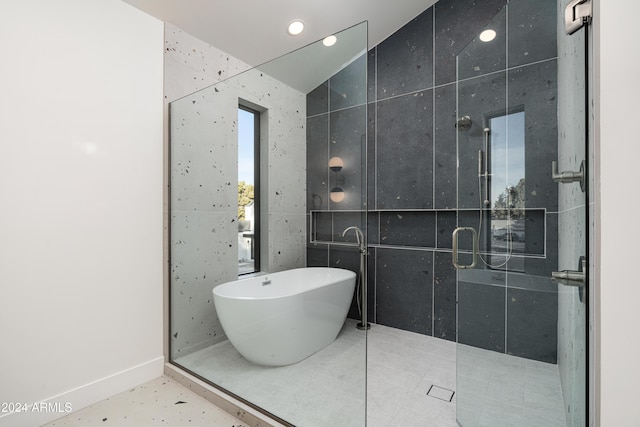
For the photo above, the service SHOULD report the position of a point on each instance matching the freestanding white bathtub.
(282, 318)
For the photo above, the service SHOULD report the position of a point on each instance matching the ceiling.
(306, 68)
(254, 31)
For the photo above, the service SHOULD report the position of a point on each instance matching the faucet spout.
(359, 237)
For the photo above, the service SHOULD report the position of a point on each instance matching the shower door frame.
(248, 410)
(587, 285)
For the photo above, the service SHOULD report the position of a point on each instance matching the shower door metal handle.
(474, 250)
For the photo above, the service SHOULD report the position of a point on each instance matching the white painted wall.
(81, 196)
(617, 204)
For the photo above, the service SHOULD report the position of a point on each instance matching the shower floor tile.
(501, 390)
(327, 389)
(403, 367)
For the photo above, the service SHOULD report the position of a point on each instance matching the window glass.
(248, 212)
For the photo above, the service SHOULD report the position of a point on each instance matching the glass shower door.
(521, 353)
(311, 111)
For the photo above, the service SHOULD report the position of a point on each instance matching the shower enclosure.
(521, 239)
(454, 145)
(215, 238)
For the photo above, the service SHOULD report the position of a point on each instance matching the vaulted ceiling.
(254, 31)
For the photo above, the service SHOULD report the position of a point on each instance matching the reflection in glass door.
(521, 237)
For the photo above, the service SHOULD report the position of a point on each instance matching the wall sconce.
(336, 164)
(337, 193)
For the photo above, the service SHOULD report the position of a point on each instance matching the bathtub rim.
(345, 274)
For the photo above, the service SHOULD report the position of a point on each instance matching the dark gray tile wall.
(404, 289)
(404, 60)
(444, 297)
(422, 173)
(531, 324)
(445, 147)
(404, 133)
(457, 23)
(317, 135)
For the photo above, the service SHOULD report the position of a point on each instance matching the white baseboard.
(52, 408)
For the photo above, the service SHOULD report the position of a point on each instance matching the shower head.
(464, 123)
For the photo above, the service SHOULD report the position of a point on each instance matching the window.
(248, 191)
(506, 194)
(507, 139)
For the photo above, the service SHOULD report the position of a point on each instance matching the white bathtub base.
(299, 313)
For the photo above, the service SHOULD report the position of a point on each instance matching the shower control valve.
(569, 176)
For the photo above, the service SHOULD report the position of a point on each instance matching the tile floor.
(411, 381)
(160, 402)
(328, 388)
(403, 368)
(499, 390)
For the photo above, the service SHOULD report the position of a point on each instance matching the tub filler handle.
(266, 281)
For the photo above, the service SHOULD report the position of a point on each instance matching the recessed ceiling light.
(329, 41)
(487, 35)
(295, 27)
